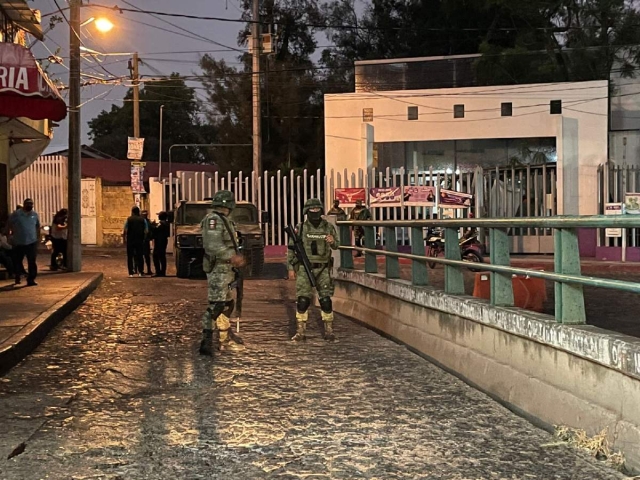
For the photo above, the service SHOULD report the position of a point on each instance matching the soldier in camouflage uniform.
(219, 239)
(319, 238)
(359, 212)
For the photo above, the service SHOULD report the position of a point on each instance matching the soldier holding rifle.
(221, 259)
(310, 246)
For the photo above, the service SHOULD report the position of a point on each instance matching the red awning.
(25, 90)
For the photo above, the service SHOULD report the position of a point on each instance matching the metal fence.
(613, 182)
(501, 193)
(45, 181)
(569, 296)
(525, 191)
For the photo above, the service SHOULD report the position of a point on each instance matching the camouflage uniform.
(337, 211)
(318, 251)
(360, 212)
(219, 248)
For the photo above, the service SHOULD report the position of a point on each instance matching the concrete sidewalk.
(27, 314)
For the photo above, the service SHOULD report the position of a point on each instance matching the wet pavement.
(28, 313)
(118, 391)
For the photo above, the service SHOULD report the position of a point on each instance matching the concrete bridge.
(468, 390)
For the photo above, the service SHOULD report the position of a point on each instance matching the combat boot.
(206, 345)
(227, 343)
(327, 318)
(301, 322)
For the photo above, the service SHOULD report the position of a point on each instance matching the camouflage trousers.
(323, 280)
(218, 281)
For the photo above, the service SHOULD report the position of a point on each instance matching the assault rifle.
(301, 255)
(238, 282)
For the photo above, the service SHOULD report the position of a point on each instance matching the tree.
(181, 123)
(291, 91)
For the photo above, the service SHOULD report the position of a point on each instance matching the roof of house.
(119, 171)
(86, 151)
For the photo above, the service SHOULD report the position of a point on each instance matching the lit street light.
(103, 25)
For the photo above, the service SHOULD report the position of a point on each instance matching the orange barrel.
(528, 293)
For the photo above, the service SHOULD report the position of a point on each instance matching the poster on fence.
(613, 209)
(349, 196)
(419, 196)
(385, 197)
(632, 203)
(137, 178)
(451, 199)
(134, 152)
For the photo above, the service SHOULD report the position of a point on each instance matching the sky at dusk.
(130, 34)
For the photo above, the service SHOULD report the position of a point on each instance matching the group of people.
(138, 234)
(359, 212)
(19, 239)
(222, 256)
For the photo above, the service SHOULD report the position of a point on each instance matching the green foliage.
(181, 123)
(292, 112)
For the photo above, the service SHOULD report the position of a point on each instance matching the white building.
(561, 125)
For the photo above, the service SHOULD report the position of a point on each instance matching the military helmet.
(224, 199)
(312, 203)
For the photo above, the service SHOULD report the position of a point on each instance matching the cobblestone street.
(118, 391)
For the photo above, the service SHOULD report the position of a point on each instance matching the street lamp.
(103, 25)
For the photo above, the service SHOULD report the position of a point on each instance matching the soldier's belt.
(318, 265)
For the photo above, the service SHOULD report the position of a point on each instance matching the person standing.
(219, 238)
(24, 225)
(161, 234)
(134, 234)
(6, 252)
(59, 232)
(337, 211)
(146, 251)
(360, 212)
(318, 238)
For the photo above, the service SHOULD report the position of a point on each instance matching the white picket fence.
(614, 181)
(500, 193)
(45, 181)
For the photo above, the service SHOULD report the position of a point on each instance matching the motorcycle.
(471, 250)
(46, 240)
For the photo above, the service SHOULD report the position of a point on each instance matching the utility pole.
(136, 96)
(257, 134)
(74, 185)
(160, 149)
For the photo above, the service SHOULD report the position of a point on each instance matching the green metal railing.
(569, 283)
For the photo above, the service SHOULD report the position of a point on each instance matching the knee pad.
(215, 309)
(326, 305)
(222, 322)
(303, 304)
(229, 306)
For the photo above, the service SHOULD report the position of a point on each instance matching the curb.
(21, 344)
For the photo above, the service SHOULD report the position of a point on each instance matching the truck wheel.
(182, 265)
(257, 262)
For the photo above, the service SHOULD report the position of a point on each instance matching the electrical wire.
(157, 16)
(561, 29)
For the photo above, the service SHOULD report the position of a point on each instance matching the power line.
(556, 29)
(157, 16)
(73, 32)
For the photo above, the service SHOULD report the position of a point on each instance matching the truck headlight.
(198, 241)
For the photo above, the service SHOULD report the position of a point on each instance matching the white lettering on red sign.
(14, 77)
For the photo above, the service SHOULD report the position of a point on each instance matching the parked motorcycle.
(471, 250)
(46, 240)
